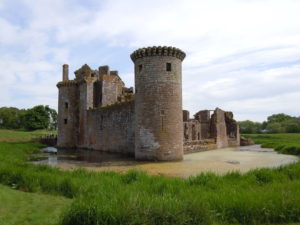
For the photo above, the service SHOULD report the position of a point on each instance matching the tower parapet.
(157, 51)
(158, 103)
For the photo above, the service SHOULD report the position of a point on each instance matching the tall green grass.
(263, 196)
(283, 143)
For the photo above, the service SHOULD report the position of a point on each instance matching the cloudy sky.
(242, 55)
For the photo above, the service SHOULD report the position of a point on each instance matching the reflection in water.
(220, 161)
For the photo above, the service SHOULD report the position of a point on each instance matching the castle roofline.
(157, 51)
(66, 83)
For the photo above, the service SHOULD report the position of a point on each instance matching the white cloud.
(240, 54)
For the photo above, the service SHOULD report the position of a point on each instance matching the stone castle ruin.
(96, 111)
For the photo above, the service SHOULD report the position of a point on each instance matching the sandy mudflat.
(219, 161)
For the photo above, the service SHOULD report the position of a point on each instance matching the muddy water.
(219, 161)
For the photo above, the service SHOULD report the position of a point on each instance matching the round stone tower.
(158, 103)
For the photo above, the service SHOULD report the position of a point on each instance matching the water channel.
(219, 161)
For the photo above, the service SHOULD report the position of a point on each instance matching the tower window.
(101, 122)
(140, 67)
(66, 105)
(169, 67)
(66, 121)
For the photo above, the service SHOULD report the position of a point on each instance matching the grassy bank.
(21, 136)
(17, 207)
(283, 143)
(265, 196)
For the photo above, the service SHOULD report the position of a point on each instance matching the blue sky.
(242, 55)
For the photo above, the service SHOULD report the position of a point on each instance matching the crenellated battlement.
(158, 51)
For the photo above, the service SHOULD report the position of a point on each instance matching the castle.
(96, 111)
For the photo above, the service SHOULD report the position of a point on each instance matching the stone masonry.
(96, 111)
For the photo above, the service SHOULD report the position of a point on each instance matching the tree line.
(38, 117)
(276, 123)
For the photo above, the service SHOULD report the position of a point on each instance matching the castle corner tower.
(67, 120)
(158, 103)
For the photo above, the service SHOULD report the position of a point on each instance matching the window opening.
(140, 67)
(169, 67)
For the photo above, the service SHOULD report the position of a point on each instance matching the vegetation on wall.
(38, 117)
(276, 123)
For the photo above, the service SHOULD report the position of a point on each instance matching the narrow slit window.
(101, 122)
(66, 105)
(140, 67)
(162, 114)
(66, 121)
(169, 67)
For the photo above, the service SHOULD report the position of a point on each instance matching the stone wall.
(109, 91)
(192, 130)
(67, 120)
(218, 128)
(111, 128)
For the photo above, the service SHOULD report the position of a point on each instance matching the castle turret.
(158, 103)
(67, 111)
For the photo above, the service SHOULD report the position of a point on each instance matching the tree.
(37, 118)
(277, 123)
(275, 127)
(249, 127)
(11, 117)
(293, 126)
(278, 118)
(53, 117)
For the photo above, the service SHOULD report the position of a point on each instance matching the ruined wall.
(204, 119)
(111, 128)
(192, 130)
(158, 108)
(218, 128)
(233, 132)
(207, 131)
(109, 91)
(67, 120)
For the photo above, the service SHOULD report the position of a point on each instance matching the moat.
(219, 161)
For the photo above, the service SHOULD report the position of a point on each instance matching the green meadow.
(283, 143)
(18, 207)
(21, 136)
(264, 196)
